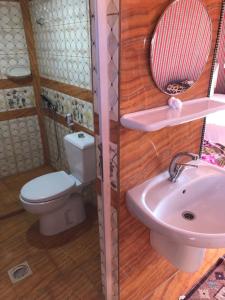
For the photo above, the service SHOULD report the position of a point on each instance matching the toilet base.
(67, 216)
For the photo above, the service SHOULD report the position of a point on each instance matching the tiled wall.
(57, 152)
(113, 162)
(64, 54)
(81, 110)
(115, 265)
(20, 145)
(112, 31)
(113, 55)
(17, 98)
(20, 141)
(13, 49)
(63, 41)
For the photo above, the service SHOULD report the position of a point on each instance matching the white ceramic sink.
(161, 205)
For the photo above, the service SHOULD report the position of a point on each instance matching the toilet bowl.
(56, 197)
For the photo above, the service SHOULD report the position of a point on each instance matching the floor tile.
(64, 266)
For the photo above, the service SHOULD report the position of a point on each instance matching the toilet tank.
(81, 157)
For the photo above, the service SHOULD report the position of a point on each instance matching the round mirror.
(180, 46)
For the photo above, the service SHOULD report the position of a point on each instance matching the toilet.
(56, 197)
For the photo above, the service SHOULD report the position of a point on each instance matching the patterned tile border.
(13, 48)
(17, 98)
(82, 111)
(112, 79)
(113, 54)
(113, 162)
(114, 224)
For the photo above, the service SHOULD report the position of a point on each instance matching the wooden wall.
(144, 155)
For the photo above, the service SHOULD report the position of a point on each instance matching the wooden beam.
(60, 119)
(17, 113)
(11, 84)
(24, 4)
(68, 89)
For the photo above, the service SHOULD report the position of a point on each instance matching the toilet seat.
(48, 187)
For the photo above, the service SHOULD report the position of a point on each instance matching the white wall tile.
(13, 48)
(21, 147)
(63, 41)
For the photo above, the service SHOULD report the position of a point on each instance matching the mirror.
(180, 46)
(213, 146)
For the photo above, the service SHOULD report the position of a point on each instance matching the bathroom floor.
(181, 282)
(66, 266)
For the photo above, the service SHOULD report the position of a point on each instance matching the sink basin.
(185, 217)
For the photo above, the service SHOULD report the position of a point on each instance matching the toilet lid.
(47, 187)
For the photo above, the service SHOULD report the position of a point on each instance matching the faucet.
(175, 169)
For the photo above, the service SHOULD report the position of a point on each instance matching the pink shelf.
(164, 116)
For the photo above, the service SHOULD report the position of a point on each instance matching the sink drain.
(188, 215)
(19, 272)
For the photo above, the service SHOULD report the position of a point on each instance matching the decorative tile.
(55, 134)
(82, 111)
(112, 7)
(17, 98)
(12, 41)
(13, 48)
(113, 57)
(113, 163)
(3, 106)
(21, 147)
(95, 66)
(113, 63)
(10, 15)
(114, 226)
(63, 40)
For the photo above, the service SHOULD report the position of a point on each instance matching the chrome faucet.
(175, 168)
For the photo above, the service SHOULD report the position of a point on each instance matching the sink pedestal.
(185, 258)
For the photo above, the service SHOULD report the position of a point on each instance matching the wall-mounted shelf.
(164, 116)
(18, 72)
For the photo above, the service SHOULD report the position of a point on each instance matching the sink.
(184, 217)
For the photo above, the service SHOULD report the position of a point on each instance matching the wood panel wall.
(68, 89)
(17, 113)
(10, 84)
(144, 155)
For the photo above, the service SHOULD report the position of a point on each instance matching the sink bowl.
(185, 217)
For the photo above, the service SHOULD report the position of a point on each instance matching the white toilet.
(55, 196)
